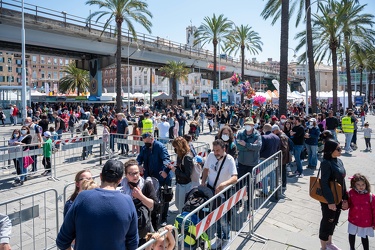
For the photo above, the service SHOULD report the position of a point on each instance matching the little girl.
(361, 206)
(367, 134)
(166, 242)
(136, 137)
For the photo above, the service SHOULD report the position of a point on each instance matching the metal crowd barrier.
(11, 154)
(35, 220)
(266, 186)
(84, 149)
(226, 212)
(149, 244)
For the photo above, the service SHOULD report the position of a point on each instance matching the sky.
(171, 17)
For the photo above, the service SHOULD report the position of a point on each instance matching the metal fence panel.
(35, 220)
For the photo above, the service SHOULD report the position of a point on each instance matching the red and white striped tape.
(72, 140)
(202, 154)
(219, 212)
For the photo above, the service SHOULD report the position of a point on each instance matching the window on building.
(33, 74)
(34, 59)
(1, 59)
(111, 72)
(42, 60)
(49, 75)
(54, 75)
(19, 62)
(61, 75)
(9, 60)
(55, 61)
(49, 60)
(42, 74)
(1, 68)
(10, 69)
(19, 70)
(110, 81)
(326, 83)
(61, 61)
(2, 79)
(145, 79)
(66, 61)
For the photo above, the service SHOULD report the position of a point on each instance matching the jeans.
(271, 175)
(223, 228)
(329, 221)
(313, 155)
(112, 142)
(348, 140)
(283, 175)
(23, 170)
(35, 159)
(15, 120)
(297, 149)
(354, 138)
(181, 130)
(181, 191)
(89, 148)
(334, 134)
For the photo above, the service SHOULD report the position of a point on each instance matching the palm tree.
(326, 33)
(120, 11)
(272, 8)
(356, 32)
(243, 37)
(75, 79)
(175, 71)
(213, 30)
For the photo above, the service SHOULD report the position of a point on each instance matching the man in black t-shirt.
(297, 135)
(332, 123)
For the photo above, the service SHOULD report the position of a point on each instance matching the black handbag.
(166, 193)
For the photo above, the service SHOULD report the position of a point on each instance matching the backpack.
(196, 172)
(190, 231)
(144, 220)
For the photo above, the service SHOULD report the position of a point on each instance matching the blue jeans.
(348, 140)
(181, 191)
(181, 130)
(270, 175)
(112, 142)
(297, 149)
(313, 155)
(334, 134)
(23, 170)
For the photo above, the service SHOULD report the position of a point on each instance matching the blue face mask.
(23, 131)
(15, 135)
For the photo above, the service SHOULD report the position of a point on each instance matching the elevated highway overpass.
(53, 32)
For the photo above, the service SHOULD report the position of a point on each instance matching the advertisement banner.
(224, 96)
(215, 95)
(358, 100)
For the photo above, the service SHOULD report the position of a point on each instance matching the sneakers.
(17, 184)
(299, 175)
(47, 172)
(332, 247)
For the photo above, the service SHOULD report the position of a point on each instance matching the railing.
(62, 19)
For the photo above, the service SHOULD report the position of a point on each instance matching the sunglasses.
(339, 149)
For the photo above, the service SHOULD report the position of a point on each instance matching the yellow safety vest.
(347, 124)
(147, 126)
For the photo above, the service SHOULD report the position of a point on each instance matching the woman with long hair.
(80, 177)
(332, 169)
(24, 140)
(182, 170)
(226, 134)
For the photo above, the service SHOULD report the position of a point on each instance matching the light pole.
(219, 76)
(128, 74)
(23, 92)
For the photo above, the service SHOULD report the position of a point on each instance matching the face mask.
(23, 131)
(283, 120)
(15, 135)
(27, 124)
(225, 137)
(148, 144)
(133, 184)
(310, 126)
(248, 127)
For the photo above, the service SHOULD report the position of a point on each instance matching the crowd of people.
(244, 137)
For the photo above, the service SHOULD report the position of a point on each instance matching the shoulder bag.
(217, 177)
(316, 191)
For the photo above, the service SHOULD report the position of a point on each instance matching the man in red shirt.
(15, 115)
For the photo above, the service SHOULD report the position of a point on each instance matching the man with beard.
(155, 159)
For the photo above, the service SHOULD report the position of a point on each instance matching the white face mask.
(283, 120)
(248, 127)
(225, 137)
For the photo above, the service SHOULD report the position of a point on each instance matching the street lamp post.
(128, 73)
(23, 92)
(219, 76)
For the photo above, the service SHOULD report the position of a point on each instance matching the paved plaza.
(291, 224)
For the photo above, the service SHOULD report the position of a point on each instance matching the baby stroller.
(193, 130)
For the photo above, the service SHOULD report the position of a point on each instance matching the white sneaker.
(216, 244)
(224, 244)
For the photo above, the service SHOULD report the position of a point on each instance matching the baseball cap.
(275, 127)
(312, 120)
(249, 121)
(113, 170)
(147, 114)
(145, 135)
(47, 134)
(274, 118)
(282, 117)
(164, 118)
